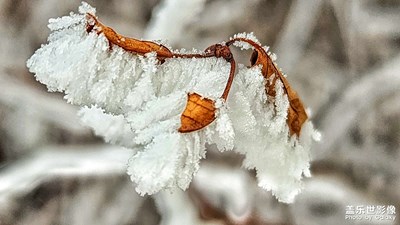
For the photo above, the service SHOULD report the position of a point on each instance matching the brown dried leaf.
(199, 112)
(296, 112)
(129, 44)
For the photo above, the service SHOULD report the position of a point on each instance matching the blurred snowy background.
(343, 57)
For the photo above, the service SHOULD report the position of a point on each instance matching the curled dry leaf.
(199, 112)
(296, 112)
(129, 44)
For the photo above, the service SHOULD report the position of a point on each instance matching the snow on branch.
(166, 105)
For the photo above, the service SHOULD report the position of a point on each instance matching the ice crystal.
(245, 45)
(135, 102)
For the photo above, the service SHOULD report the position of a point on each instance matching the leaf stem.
(230, 80)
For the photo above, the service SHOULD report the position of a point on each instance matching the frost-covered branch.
(133, 93)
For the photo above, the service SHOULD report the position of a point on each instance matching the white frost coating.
(114, 129)
(225, 137)
(135, 102)
(273, 57)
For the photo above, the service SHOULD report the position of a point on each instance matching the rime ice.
(135, 102)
